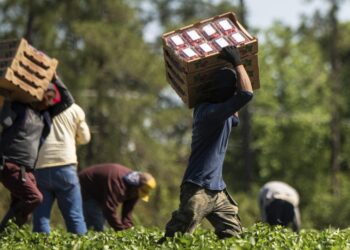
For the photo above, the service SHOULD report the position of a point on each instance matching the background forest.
(295, 129)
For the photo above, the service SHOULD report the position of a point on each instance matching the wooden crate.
(24, 62)
(25, 72)
(9, 50)
(19, 88)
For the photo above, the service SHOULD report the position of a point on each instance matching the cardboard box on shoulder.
(25, 72)
(190, 85)
(191, 54)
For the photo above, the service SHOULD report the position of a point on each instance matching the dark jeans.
(25, 196)
(93, 214)
(197, 203)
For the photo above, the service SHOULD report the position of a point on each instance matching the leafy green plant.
(258, 236)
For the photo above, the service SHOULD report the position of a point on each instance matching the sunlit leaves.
(257, 237)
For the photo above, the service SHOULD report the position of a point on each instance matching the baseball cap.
(148, 183)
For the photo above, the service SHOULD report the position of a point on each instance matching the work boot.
(8, 216)
(161, 240)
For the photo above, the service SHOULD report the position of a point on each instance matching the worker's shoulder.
(76, 111)
(76, 108)
(277, 184)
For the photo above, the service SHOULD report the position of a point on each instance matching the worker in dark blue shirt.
(203, 190)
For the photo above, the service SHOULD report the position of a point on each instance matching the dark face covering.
(280, 212)
(223, 86)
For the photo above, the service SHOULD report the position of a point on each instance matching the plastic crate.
(206, 49)
(209, 31)
(225, 25)
(193, 36)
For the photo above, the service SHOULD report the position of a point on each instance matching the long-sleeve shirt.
(104, 183)
(210, 133)
(279, 190)
(66, 98)
(68, 129)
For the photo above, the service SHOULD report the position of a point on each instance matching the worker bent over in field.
(203, 191)
(104, 187)
(279, 205)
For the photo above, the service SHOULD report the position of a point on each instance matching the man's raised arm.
(231, 54)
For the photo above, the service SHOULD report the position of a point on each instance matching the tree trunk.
(246, 117)
(29, 24)
(336, 91)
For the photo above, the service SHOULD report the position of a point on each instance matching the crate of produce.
(246, 43)
(189, 86)
(25, 72)
(193, 51)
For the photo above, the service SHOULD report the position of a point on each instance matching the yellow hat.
(147, 184)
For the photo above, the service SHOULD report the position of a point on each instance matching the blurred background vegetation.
(295, 130)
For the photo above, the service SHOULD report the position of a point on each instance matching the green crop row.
(256, 237)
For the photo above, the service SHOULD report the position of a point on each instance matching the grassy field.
(256, 237)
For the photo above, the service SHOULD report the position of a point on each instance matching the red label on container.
(188, 54)
(193, 36)
(205, 49)
(176, 41)
(209, 31)
(225, 25)
(221, 42)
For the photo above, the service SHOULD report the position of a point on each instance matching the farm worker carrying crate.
(203, 190)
